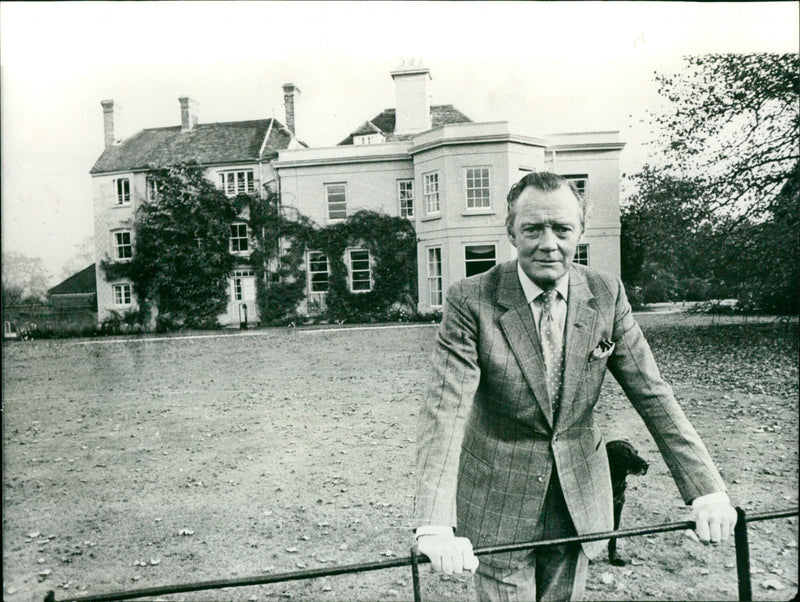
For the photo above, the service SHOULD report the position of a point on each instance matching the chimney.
(289, 90)
(412, 103)
(188, 113)
(108, 122)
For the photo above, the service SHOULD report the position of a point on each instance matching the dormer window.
(368, 139)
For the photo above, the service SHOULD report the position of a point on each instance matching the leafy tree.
(182, 261)
(25, 279)
(717, 201)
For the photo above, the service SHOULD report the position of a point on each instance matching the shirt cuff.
(433, 530)
(718, 497)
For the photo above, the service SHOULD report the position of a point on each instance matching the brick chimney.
(108, 122)
(188, 113)
(289, 90)
(412, 103)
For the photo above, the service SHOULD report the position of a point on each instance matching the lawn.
(130, 464)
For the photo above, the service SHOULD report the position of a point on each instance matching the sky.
(543, 66)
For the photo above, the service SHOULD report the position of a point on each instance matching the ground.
(163, 460)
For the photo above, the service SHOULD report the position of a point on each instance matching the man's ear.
(511, 238)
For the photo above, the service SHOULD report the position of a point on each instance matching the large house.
(427, 163)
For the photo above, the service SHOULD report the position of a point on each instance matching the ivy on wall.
(182, 261)
(392, 245)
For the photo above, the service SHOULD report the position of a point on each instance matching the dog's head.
(624, 457)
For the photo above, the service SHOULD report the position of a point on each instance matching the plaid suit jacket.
(488, 439)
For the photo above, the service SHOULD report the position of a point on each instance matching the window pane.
(479, 258)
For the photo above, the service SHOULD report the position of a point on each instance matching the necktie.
(551, 339)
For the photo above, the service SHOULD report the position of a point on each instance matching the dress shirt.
(532, 290)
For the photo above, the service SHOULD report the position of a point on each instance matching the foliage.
(733, 123)
(391, 242)
(25, 279)
(719, 205)
(182, 260)
(279, 242)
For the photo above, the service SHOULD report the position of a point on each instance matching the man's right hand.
(448, 553)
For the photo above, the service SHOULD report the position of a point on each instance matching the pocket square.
(603, 349)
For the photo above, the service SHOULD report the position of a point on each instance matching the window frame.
(119, 246)
(239, 237)
(428, 194)
(151, 188)
(487, 188)
(122, 287)
(122, 198)
(237, 287)
(351, 271)
(328, 193)
(467, 262)
(435, 281)
(232, 186)
(311, 272)
(581, 254)
(575, 179)
(402, 196)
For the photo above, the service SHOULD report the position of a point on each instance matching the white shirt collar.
(533, 290)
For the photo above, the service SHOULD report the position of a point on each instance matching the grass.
(169, 459)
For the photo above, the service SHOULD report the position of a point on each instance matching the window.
(405, 195)
(238, 285)
(582, 255)
(431, 192)
(478, 188)
(123, 186)
(368, 138)
(337, 201)
(435, 276)
(152, 190)
(239, 242)
(237, 182)
(317, 272)
(122, 294)
(123, 247)
(479, 258)
(360, 275)
(580, 181)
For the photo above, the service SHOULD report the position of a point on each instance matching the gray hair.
(544, 181)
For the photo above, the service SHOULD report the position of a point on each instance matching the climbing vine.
(392, 246)
(181, 261)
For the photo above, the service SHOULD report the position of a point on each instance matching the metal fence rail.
(414, 560)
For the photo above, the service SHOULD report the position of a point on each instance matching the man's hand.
(714, 520)
(448, 553)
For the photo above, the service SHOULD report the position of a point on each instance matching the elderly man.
(508, 450)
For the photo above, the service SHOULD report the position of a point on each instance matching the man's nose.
(548, 240)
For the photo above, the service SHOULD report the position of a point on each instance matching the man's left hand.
(714, 521)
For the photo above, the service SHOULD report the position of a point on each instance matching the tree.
(182, 259)
(25, 279)
(717, 200)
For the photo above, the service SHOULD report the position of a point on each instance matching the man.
(508, 451)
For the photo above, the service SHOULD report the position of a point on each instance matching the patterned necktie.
(551, 339)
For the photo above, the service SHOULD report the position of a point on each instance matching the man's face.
(546, 232)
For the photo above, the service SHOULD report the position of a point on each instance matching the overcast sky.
(544, 66)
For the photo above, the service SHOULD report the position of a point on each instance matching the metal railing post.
(415, 573)
(742, 556)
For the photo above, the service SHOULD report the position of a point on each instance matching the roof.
(384, 122)
(205, 143)
(84, 281)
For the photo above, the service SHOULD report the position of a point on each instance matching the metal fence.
(414, 560)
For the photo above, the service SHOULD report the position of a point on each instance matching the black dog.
(622, 461)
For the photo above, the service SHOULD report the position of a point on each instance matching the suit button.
(540, 479)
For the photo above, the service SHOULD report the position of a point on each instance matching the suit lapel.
(520, 331)
(580, 325)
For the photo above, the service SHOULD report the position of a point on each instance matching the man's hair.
(544, 181)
